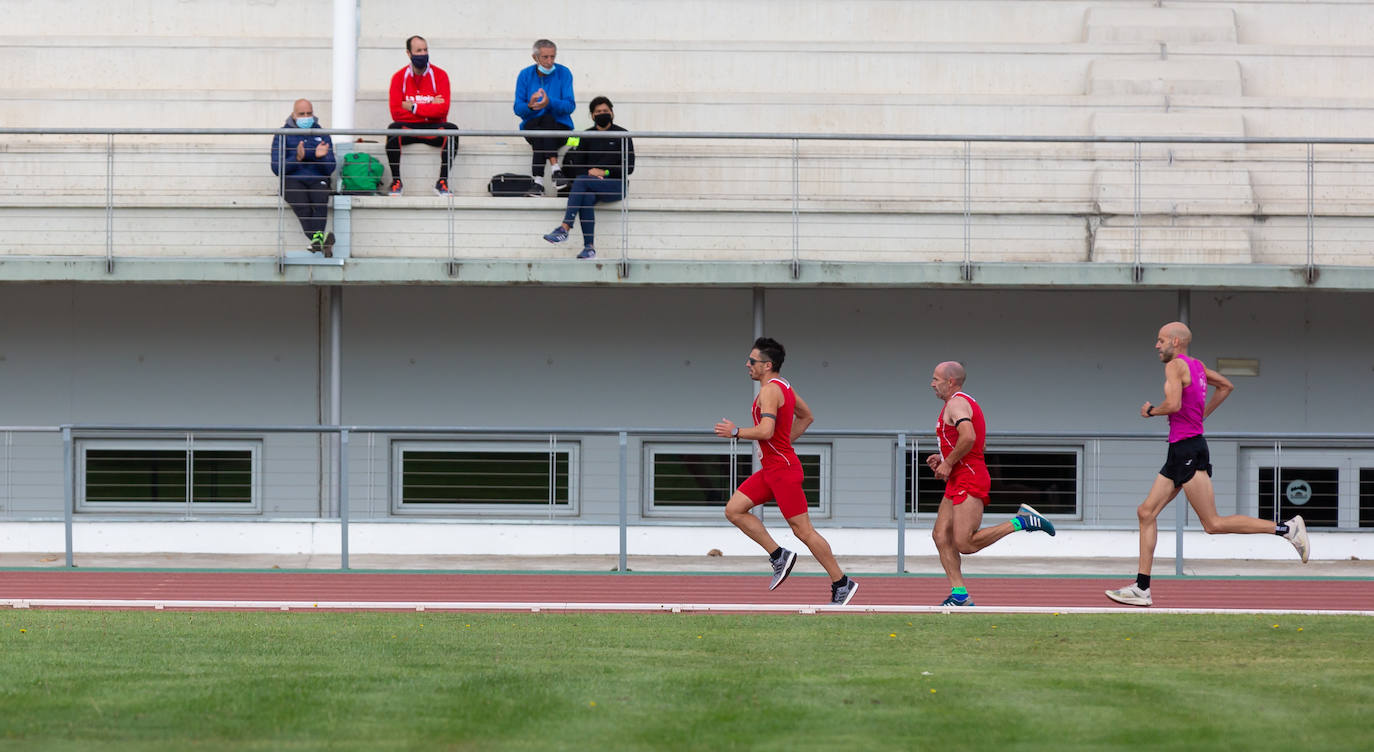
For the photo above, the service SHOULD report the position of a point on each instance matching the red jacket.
(407, 87)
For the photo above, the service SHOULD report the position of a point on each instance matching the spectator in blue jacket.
(305, 163)
(544, 102)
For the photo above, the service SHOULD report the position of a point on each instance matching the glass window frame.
(822, 451)
(400, 507)
(252, 446)
(1076, 449)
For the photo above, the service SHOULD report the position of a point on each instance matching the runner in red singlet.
(780, 417)
(1188, 464)
(959, 463)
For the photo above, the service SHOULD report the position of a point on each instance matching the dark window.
(1047, 481)
(125, 476)
(1367, 497)
(477, 477)
(683, 480)
(1313, 492)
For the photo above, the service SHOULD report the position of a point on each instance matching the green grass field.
(147, 680)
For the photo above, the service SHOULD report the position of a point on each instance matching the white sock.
(539, 180)
(556, 170)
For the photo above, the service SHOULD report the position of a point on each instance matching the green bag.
(361, 173)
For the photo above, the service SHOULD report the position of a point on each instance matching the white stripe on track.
(211, 605)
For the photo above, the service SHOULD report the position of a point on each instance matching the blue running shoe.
(587, 253)
(558, 235)
(951, 601)
(1033, 520)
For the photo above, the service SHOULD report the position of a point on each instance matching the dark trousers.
(587, 192)
(544, 148)
(447, 146)
(309, 199)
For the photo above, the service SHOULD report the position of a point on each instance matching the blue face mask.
(305, 122)
(545, 71)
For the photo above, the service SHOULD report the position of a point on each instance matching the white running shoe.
(1131, 595)
(1297, 535)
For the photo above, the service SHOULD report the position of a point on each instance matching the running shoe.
(587, 253)
(782, 566)
(952, 601)
(1131, 595)
(1033, 520)
(317, 243)
(1297, 535)
(558, 235)
(441, 188)
(841, 596)
(329, 245)
(395, 187)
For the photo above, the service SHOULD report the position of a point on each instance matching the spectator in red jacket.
(419, 100)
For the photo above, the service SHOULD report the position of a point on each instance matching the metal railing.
(35, 464)
(787, 198)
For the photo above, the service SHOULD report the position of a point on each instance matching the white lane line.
(536, 607)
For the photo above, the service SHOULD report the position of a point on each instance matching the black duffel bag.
(510, 184)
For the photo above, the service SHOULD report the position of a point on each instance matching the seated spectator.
(602, 166)
(305, 164)
(544, 102)
(419, 100)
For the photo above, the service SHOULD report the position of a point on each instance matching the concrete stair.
(1044, 67)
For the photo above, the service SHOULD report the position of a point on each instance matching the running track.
(640, 592)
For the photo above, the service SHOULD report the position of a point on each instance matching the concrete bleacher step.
(1126, 23)
(1165, 241)
(1192, 187)
(1173, 76)
(988, 21)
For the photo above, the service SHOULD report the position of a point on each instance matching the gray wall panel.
(1038, 360)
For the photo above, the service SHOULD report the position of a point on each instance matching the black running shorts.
(1185, 459)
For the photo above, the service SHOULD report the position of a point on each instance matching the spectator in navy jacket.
(544, 102)
(602, 165)
(305, 163)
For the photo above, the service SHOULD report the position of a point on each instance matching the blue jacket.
(558, 85)
(308, 168)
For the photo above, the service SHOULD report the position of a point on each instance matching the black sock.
(1280, 529)
(1142, 581)
(776, 553)
(837, 584)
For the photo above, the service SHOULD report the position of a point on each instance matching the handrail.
(729, 135)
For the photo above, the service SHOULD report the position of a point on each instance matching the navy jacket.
(308, 168)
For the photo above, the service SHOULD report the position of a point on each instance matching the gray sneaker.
(1297, 535)
(841, 596)
(1131, 595)
(782, 566)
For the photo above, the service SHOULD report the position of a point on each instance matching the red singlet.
(781, 476)
(970, 476)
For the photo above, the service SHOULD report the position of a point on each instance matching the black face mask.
(602, 120)
(419, 61)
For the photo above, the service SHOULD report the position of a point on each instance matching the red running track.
(555, 588)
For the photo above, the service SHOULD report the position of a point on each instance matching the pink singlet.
(1187, 422)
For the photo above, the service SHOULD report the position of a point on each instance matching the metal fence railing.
(576, 475)
(787, 198)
